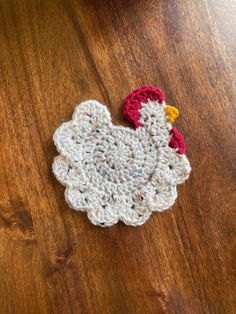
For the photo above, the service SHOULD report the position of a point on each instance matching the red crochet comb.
(132, 103)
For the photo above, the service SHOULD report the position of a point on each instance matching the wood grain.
(54, 54)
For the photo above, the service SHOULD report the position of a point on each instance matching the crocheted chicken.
(120, 173)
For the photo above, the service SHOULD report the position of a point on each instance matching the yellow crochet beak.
(172, 113)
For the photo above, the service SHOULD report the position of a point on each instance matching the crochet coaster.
(118, 173)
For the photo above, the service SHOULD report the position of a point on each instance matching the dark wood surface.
(53, 55)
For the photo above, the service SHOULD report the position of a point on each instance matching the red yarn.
(177, 141)
(132, 103)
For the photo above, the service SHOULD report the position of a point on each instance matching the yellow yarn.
(172, 113)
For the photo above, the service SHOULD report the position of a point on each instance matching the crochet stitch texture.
(118, 173)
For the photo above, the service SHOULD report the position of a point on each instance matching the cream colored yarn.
(117, 173)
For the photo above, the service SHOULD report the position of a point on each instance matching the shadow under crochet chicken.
(119, 173)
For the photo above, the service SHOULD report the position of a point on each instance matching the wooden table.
(54, 54)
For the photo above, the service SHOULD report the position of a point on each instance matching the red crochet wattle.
(177, 141)
(132, 103)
